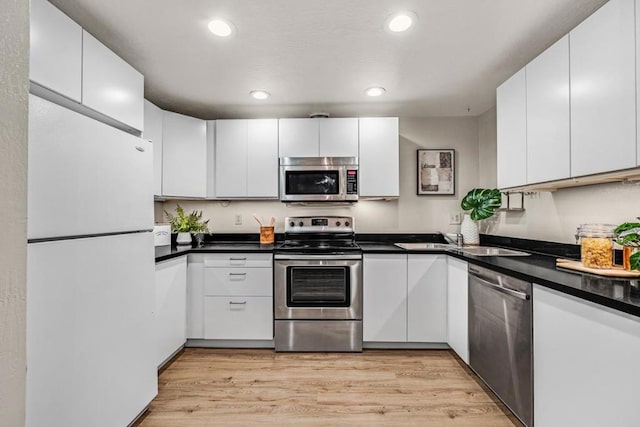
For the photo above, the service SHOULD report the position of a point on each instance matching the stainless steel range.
(318, 286)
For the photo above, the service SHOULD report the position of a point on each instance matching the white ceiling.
(320, 55)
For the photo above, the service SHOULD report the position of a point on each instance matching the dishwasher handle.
(507, 291)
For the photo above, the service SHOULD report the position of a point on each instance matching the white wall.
(14, 77)
(410, 213)
(554, 216)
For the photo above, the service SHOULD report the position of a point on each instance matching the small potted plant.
(628, 236)
(185, 225)
(482, 203)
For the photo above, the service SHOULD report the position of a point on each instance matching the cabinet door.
(55, 56)
(603, 109)
(262, 158)
(427, 298)
(231, 158)
(512, 131)
(184, 156)
(238, 318)
(76, 164)
(338, 137)
(585, 362)
(384, 316)
(457, 308)
(195, 296)
(153, 133)
(171, 307)
(298, 138)
(548, 127)
(379, 154)
(211, 158)
(110, 85)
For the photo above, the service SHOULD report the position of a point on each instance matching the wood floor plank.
(245, 387)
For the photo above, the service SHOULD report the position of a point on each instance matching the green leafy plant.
(482, 202)
(183, 223)
(628, 234)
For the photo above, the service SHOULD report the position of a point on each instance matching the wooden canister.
(266, 235)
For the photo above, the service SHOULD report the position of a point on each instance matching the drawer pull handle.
(237, 259)
(237, 303)
(237, 276)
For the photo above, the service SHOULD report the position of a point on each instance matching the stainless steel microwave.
(319, 179)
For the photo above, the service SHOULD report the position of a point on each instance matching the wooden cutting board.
(615, 271)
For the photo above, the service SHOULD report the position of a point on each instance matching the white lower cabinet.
(404, 298)
(238, 318)
(384, 317)
(427, 298)
(171, 307)
(457, 307)
(230, 296)
(585, 363)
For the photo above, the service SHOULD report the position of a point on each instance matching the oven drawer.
(238, 260)
(238, 281)
(238, 318)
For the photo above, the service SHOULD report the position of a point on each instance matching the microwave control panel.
(352, 181)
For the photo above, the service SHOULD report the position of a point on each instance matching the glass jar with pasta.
(596, 245)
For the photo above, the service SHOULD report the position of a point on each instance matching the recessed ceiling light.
(260, 94)
(400, 22)
(221, 28)
(375, 91)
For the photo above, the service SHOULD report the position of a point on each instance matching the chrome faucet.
(459, 239)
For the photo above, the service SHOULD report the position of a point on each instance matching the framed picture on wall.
(436, 172)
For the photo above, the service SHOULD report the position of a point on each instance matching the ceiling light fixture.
(400, 22)
(221, 28)
(260, 94)
(375, 91)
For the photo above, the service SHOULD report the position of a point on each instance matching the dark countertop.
(619, 294)
(164, 253)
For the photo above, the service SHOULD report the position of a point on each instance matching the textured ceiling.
(321, 55)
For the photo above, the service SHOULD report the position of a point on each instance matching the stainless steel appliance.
(319, 179)
(501, 337)
(318, 286)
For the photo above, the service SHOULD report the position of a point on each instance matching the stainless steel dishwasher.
(501, 338)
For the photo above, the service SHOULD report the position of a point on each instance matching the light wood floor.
(233, 387)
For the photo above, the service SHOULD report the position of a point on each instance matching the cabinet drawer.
(238, 281)
(237, 260)
(238, 318)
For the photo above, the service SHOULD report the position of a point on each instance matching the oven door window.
(312, 182)
(318, 287)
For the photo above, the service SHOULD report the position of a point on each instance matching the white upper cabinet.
(211, 158)
(153, 132)
(318, 137)
(547, 94)
(379, 153)
(603, 90)
(184, 156)
(637, 80)
(512, 131)
(262, 161)
(298, 138)
(110, 85)
(246, 158)
(338, 137)
(55, 57)
(231, 158)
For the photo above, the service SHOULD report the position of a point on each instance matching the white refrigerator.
(90, 271)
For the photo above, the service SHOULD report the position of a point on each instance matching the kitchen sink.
(424, 246)
(491, 251)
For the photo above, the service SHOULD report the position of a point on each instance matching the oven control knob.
(346, 223)
(337, 223)
(301, 223)
(291, 224)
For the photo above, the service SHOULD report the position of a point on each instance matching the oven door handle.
(316, 257)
